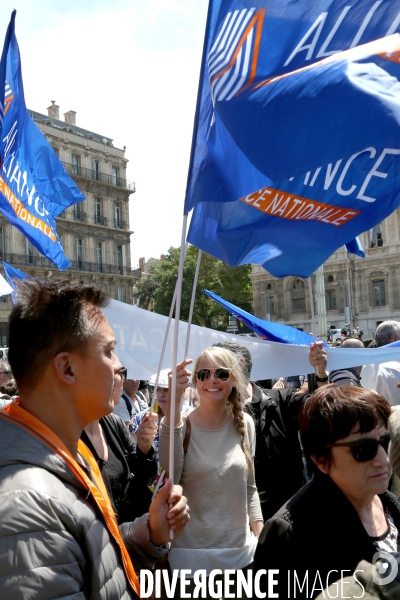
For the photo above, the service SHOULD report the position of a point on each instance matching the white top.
(221, 493)
(383, 378)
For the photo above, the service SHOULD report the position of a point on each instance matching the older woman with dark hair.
(345, 514)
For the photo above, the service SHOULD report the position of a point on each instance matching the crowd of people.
(298, 479)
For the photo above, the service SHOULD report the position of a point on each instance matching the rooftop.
(63, 125)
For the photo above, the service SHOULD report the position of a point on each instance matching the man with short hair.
(383, 377)
(58, 533)
(278, 464)
(132, 401)
(349, 375)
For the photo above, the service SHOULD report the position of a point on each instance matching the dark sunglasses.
(123, 372)
(221, 373)
(365, 449)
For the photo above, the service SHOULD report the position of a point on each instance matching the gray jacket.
(53, 543)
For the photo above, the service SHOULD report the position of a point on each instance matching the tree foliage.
(156, 290)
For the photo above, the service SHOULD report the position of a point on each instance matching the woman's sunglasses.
(221, 373)
(365, 449)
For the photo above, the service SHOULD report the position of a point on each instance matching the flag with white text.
(296, 147)
(34, 186)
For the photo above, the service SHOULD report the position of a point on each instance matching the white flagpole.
(312, 315)
(196, 277)
(154, 394)
(312, 309)
(171, 311)
(174, 355)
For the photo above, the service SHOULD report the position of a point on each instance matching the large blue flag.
(296, 148)
(274, 332)
(34, 186)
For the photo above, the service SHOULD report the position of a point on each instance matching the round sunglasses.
(365, 449)
(220, 373)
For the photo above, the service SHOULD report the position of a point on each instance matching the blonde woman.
(216, 472)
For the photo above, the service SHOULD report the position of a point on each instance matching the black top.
(278, 465)
(128, 472)
(316, 532)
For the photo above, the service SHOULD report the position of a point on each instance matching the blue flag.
(274, 332)
(12, 274)
(34, 186)
(296, 148)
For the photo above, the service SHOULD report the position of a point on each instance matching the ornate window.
(330, 299)
(120, 293)
(117, 215)
(30, 253)
(96, 169)
(99, 255)
(378, 292)
(79, 253)
(76, 164)
(375, 236)
(271, 305)
(115, 175)
(298, 297)
(98, 212)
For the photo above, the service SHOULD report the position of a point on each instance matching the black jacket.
(278, 463)
(132, 498)
(318, 530)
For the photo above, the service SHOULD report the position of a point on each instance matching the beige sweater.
(221, 494)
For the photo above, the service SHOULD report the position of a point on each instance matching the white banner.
(140, 335)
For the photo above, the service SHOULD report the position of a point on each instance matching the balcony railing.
(120, 224)
(79, 171)
(77, 265)
(96, 220)
(93, 267)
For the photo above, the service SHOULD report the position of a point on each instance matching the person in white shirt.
(383, 377)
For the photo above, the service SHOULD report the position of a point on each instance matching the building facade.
(95, 233)
(371, 285)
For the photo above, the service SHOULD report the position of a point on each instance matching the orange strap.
(22, 418)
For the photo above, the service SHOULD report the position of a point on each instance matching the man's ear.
(321, 463)
(64, 366)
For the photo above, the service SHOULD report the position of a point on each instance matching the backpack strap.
(186, 439)
(128, 405)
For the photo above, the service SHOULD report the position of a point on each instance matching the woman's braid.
(240, 426)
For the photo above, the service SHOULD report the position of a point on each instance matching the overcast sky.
(130, 70)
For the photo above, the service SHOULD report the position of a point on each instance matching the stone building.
(95, 234)
(372, 285)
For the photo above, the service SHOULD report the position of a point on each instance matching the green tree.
(145, 291)
(233, 284)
